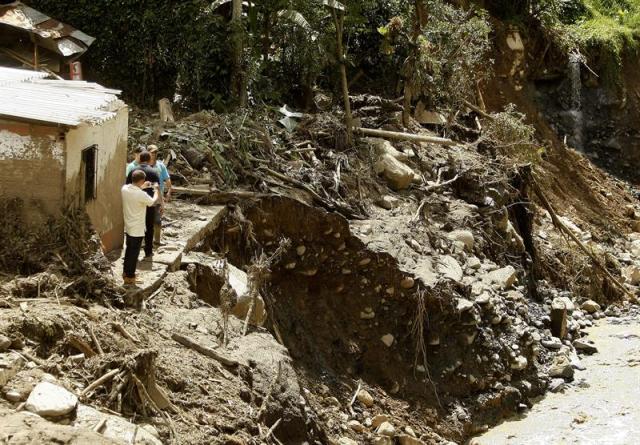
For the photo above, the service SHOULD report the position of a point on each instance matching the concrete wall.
(106, 210)
(32, 162)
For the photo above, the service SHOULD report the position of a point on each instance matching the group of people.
(147, 189)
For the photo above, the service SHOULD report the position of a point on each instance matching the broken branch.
(204, 350)
(395, 135)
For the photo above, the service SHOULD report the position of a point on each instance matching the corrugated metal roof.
(27, 95)
(52, 34)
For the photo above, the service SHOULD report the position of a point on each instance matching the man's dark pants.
(131, 255)
(149, 222)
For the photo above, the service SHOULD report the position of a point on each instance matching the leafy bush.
(508, 133)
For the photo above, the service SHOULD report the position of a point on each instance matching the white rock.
(388, 202)
(465, 237)
(519, 363)
(386, 429)
(388, 340)
(449, 268)
(365, 398)
(346, 441)
(473, 263)
(398, 175)
(382, 440)
(10, 364)
(379, 420)
(115, 428)
(464, 305)
(503, 278)
(5, 342)
(238, 281)
(631, 275)
(49, 400)
(590, 306)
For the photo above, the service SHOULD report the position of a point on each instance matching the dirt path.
(601, 407)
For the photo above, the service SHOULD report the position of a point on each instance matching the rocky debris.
(398, 175)
(356, 426)
(631, 274)
(557, 385)
(10, 365)
(346, 441)
(50, 400)
(386, 429)
(365, 398)
(585, 346)
(449, 268)
(464, 305)
(379, 419)
(552, 343)
(561, 367)
(590, 307)
(388, 202)
(382, 440)
(503, 278)
(115, 427)
(520, 363)
(5, 343)
(465, 237)
(388, 340)
(406, 439)
(27, 428)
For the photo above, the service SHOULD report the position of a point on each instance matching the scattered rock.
(557, 385)
(386, 429)
(631, 275)
(519, 363)
(388, 202)
(300, 250)
(346, 441)
(49, 400)
(465, 237)
(474, 263)
(585, 346)
(407, 283)
(379, 420)
(355, 426)
(590, 307)
(382, 440)
(449, 267)
(561, 367)
(398, 175)
(613, 311)
(503, 278)
(5, 343)
(115, 428)
(407, 439)
(552, 343)
(388, 340)
(367, 314)
(10, 365)
(365, 398)
(464, 305)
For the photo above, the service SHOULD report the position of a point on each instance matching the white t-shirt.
(134, 205)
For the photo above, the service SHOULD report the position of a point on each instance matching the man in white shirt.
(134, 204)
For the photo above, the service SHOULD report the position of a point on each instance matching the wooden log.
(395, 135)
(204, 350)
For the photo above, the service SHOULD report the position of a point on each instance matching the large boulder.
(398, 175)
(49, 400)
(503, 278)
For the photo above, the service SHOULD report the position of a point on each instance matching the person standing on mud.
(152, 176)
(135, 203)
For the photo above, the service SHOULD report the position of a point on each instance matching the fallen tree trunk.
(563, 228)
(395, 135)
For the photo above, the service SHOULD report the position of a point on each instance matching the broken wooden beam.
(204, 350)
(396, 135)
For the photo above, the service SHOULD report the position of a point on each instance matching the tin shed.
(63, 142)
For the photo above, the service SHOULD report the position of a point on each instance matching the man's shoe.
(131, 281)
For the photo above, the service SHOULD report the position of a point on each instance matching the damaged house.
(31, 39)
(63, 143)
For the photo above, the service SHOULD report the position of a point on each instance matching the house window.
(90, 172)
